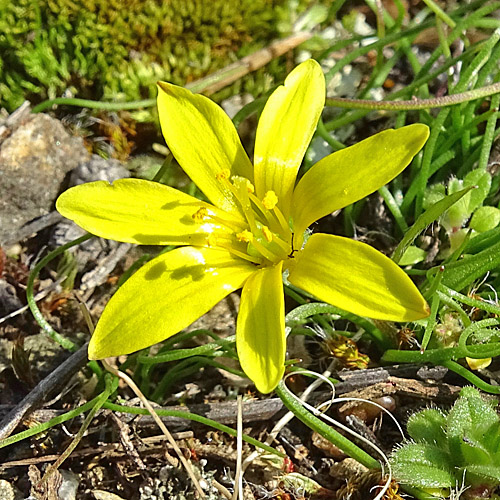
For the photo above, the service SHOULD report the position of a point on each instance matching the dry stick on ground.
(238, 475)
(402, 380)
(167, 433)
(224, 77)
(49, 385)
(150, 446)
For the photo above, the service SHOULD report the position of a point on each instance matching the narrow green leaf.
(326, 430)
(435, 301)
(483, 241)
(304, 311)
(462, 273)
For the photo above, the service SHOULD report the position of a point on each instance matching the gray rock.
(36, 154)
(9, 491)
(98, 169)
(69, 486)
(34, 160)
(9, 300)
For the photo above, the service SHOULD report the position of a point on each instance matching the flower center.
(263, 236)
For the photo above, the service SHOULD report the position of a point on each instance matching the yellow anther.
(223, 174)
(245, 236)
(270, 200)
(243, 181)
(200, 214)
(250, 187)
(268, 235)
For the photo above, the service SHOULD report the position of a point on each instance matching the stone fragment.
(9, 491)
(34, 160)
(9, 301)
(69, 485)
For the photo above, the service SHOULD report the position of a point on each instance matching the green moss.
(118, 49)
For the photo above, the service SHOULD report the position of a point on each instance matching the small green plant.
(468, 211)
(458, 449)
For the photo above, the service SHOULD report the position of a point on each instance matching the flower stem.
(412, 104)
(324, 429)
(471, 377)
(57, 337)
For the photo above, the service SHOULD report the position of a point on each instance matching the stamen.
(227, 244)
(271, 221)
(223, 175)
(249, 237)
(223, 178)
(204, 214)
(270, 237)
(250, 186)
(283, 222)
(263, 229)
(246, 236)
(244, 255)
(200, 215)
(233, 225)
(240, 183)
(286, 247)
(267, 233)
(270, 200)
(212, 240)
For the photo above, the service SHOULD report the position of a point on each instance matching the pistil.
(229, 245)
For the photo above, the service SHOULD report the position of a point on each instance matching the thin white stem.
(288, 416)
(238, 476)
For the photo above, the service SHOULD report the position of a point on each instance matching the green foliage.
(438, 208)
(460, 212)
(468, 208)
(67, 269)
(448, 449)
(119, 49)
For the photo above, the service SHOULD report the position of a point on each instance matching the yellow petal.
(165, 296)
(353, 173)
(260, 330)
(357, 278)
(285, 129)
(138, 211)
(478, 364)
(203, 140)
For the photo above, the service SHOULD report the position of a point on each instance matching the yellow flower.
(253, 230)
